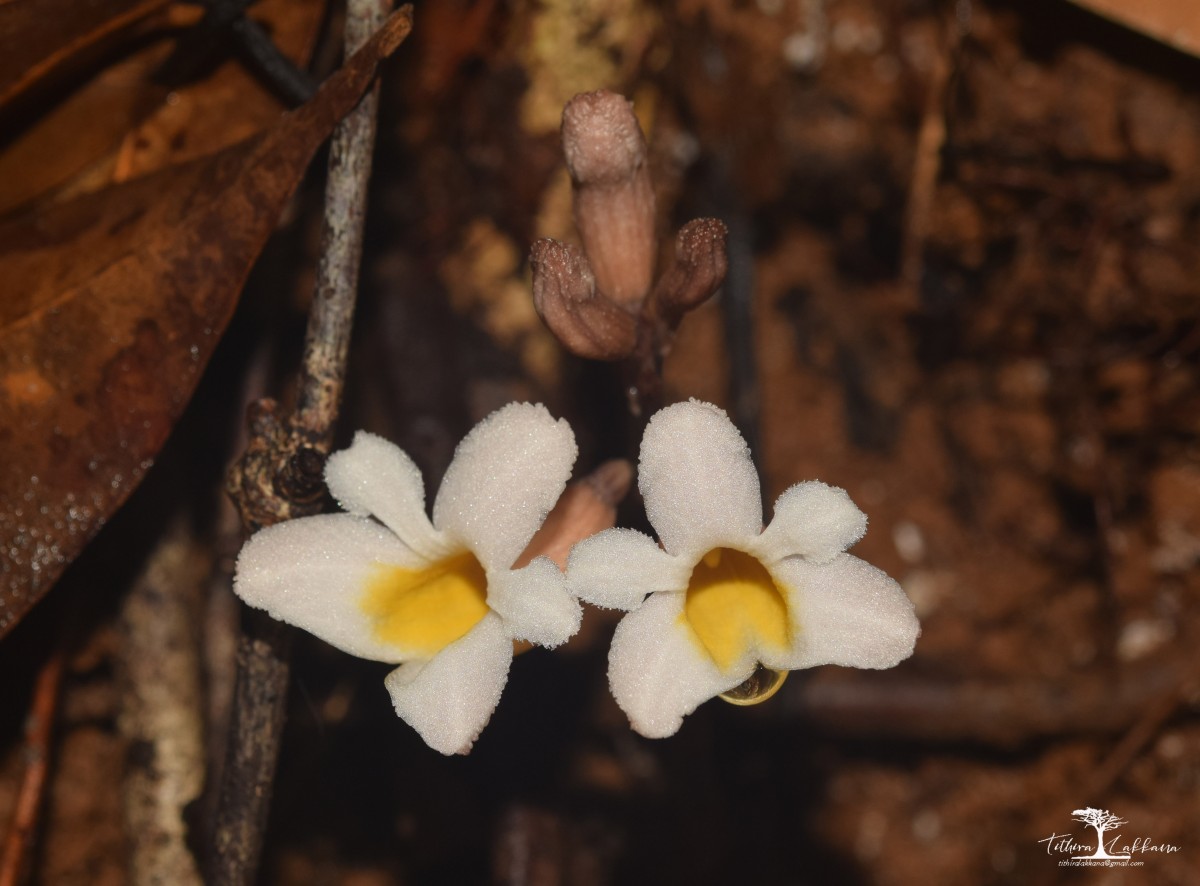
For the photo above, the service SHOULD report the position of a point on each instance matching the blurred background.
(964, 285)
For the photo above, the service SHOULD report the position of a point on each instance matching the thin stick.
(1004, 715)
(39, 730)
(279, 477)
(927, 157)
(1156, 715)
(327, 342)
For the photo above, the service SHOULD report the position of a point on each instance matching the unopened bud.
(567, 299)
(586, 507)
(614, 197)
(699, 269)
(602, 139)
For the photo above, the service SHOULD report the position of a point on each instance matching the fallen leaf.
(228, 106)
(79, 130)
(121, 124)
(39, 36)
(113, 305)
(1174, 22)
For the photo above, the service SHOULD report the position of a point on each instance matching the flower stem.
(279, 477)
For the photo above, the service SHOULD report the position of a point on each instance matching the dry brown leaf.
(228, 106)
(78, 131)
(113, 304)
(121, 124)
(39, 36)
(1174, 22)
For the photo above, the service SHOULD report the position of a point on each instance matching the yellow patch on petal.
(424, 610)
(733, 605)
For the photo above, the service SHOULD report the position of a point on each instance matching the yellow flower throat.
(424, 610)
(734, 605)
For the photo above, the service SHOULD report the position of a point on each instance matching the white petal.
(657, 669)
(506, 475)
(312, 573)
(699, 484)
(812, 520)
(451, 697)
(534, 603)
(846, 612)
(376, 477)
(617, 568)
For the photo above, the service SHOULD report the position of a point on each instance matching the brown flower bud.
(586, 507)
(566, 298)
(697, 272)
(614, 198)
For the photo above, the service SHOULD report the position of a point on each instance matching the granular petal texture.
(812, 520)
(699, 483)
(849, 612)
(506, 475)
(658, 672)
(600, 569)
(376, 477)
(534, 605)
(450, 698)
(312, 573)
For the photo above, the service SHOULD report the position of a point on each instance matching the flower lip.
(735, 608)
(760, 686)
(425, 610)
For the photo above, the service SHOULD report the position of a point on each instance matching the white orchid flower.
(440, 598)
(725, 594)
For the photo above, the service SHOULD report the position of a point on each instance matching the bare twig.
(39, 730)
(251, 750)
(927, 158)
(998, 714)
(222, 615)
(1156, 714)
(161, 709)
(279, 477)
